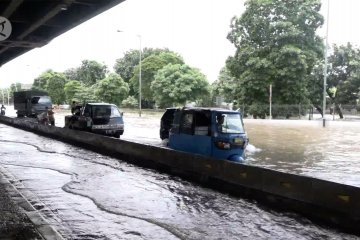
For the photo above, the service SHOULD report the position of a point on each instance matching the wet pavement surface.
(86, 195)
(14, 223)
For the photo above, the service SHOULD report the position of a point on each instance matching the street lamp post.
(139, 36)
(8, 96)
(140, 49)
(326, 61)
(270, 101)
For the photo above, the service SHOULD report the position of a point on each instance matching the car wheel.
(117, 135)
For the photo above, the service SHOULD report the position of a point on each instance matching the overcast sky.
(196, 29)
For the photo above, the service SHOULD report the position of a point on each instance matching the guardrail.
(328, 202)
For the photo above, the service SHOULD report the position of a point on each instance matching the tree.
(150, 66)
(177, 84)
(15, 87)
(225, 86)
(130, 102)
(90, 72)
(55, 87)
(72, 74)
(125, 66)
(70, 89)
(40, 83)
(343, 79)
(112, 89)
(86, 94)
(53, 83)
(276, 44)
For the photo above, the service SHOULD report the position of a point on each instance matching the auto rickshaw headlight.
(239, 141)
(223, 145)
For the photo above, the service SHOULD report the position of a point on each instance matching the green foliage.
(149, 68)
(176, 84)
(343, 84)
(15, 87)
(40, 83)
(225, 86)
(90, 72)
(258, 110)
(70, 89)
(316, 86)
(112, 89)
(71, 74)
(53, 83)
(276, 44)
(55, 87)
(343, 78)
(125, 66)
(130, 102)
(86, 94)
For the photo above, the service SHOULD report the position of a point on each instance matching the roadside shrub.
(130, 102)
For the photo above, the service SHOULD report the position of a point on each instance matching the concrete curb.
(43, 227)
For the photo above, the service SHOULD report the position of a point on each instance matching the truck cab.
(30, 103)
(101, 118)
(212, 132)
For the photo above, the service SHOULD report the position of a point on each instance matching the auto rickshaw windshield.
(230, 123)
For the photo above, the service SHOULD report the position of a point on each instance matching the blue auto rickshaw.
(208, 131)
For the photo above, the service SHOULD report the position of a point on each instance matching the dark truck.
(101, 118)
(30, 103)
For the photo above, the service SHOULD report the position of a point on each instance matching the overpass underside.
(36, 22)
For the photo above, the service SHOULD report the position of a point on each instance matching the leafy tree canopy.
(86, 94)
(149, 68)
(276, 44)
(70, 89)
(55, 87)
(224, 86)
(343, 78)
(112, 89)
(89, 72)
(71, 73)
(125, 66)
(53, 83)
(40, 83)
(175, 84)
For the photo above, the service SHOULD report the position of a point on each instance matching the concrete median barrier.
(332, 203)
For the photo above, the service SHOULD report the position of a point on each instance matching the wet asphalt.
(14, 223)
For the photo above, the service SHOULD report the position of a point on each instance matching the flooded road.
(306, 148)
(86, 195)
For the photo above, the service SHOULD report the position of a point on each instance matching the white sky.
(196, 29)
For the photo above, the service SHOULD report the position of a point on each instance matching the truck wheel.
(117, 134)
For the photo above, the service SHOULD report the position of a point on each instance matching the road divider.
(331, 203)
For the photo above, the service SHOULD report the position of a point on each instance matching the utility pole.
(270, 100)
(326, 62)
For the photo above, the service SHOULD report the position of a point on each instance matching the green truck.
(30, 103)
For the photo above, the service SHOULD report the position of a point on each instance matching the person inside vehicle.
(51, 117)
(220, 121)
(3, 108)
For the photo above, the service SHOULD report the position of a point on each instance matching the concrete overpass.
(36, 22)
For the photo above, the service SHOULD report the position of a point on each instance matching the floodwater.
(86, 195)
(306, 148)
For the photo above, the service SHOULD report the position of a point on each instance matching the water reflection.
(305, 147)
